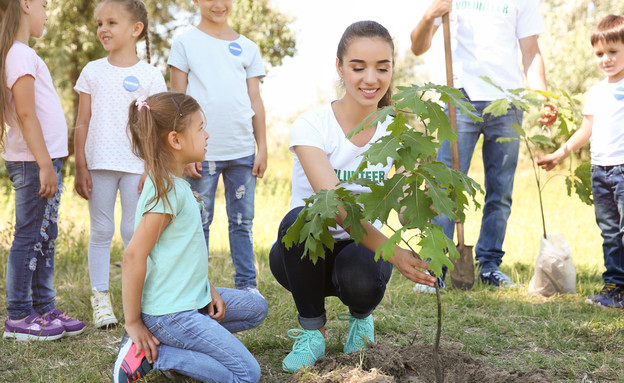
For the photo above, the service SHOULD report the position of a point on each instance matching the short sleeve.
(590, 107)
(160, 206)
(21, 61)
(82, 84)
(256, 66)
(177, 56)
(529, 20)
(158, 84)
(306, 132)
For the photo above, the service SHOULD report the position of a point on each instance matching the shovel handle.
(448, 56)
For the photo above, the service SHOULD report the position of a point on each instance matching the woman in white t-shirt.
(324, 157)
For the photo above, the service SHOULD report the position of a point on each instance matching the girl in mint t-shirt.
(175, 318)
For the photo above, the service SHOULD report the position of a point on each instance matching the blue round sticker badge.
(619, 94)
(131, 83)
(235, 49)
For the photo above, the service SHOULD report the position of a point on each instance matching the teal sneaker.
(361, 332)
(308, 348)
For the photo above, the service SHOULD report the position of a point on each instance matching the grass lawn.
(572, 341)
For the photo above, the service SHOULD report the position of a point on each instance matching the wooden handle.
(448, 56)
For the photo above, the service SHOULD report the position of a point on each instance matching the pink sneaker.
(33, 327)
(57, 317)
(128, 367)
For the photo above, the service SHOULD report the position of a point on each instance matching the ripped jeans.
(240, 189)
(30, 267)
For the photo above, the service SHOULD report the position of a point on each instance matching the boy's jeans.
(608, 190)
(499, 163)
(193, 344)
(30, 266)
(240, 188)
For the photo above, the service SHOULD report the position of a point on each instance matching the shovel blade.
(463, 274)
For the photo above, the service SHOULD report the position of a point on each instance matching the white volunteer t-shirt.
(320, 129)
(484, 36)
(605, 101)
(217, 78)
(113, 89)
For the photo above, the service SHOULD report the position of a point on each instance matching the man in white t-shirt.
(485, 37)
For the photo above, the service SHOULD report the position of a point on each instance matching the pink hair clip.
(141, 104)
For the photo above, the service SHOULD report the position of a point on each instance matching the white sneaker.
(420, 288)
(103, 315)
(253, 290)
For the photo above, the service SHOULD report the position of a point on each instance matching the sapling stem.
(536, 174)
(436, 345)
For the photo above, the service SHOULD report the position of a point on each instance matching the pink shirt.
(23, 61)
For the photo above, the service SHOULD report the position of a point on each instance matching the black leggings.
(348, 272)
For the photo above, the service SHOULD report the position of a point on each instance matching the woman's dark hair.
(370, 29)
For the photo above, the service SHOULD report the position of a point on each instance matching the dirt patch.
(410, 364)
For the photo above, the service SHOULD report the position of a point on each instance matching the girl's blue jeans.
(193, 344)
(240, 189)
(30, 266)
(499, 163)
(348, 272)
(608, 191)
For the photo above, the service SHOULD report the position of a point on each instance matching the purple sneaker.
(33, 327)
(59, 318)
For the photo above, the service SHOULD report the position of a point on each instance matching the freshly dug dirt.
(410, 364)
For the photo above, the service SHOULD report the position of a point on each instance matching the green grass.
(508, 329)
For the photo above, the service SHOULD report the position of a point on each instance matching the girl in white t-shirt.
(323, 158)
(104, 160)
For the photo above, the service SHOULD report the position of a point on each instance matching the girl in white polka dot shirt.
(104, 159)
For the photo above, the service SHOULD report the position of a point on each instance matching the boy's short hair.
(610, 29)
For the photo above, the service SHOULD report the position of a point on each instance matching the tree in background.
(70, 41)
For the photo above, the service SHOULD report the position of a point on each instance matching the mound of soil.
(410, 364)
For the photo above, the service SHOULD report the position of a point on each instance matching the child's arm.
(578, 139)
(179, 83)
(133, 276)
(259, 126)
(216, 307)
(82, 182)
(30, 127)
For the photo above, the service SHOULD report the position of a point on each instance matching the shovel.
(462, 275)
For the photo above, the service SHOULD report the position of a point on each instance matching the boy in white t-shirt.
(602, 125)
(221, 69)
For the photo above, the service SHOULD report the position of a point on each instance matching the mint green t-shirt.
(177, 267)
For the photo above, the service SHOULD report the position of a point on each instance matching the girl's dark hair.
(10, 15)
(149, 128)
(138, 12)
(610, 29)
(370, 29)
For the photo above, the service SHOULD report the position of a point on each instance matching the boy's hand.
(260, 164)
(193, 169)
(144, 340)
(551, 160)
(48, 181)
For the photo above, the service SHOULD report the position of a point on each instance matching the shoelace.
(301, 337)
(101, 305)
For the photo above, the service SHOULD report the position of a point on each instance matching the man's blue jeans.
(608, 191)
(30, 266)
(499, 162)
(193, 344)
(240, 188)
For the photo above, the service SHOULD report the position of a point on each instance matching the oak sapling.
(419, 190)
